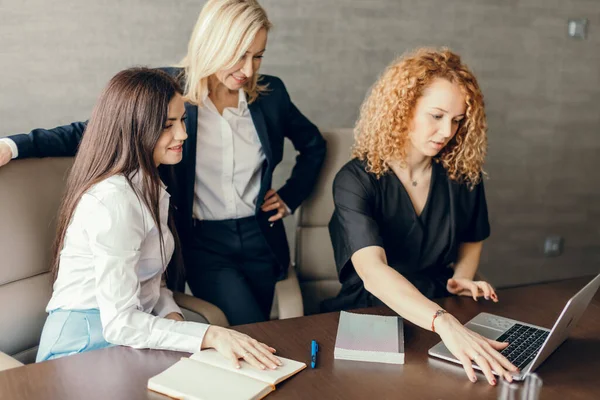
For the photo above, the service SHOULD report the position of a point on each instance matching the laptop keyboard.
(524, 344)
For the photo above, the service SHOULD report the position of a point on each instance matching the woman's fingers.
(5, 154)
(251, 359)
(465, 288)
(497, 345)
(501, 372)
(273, 206)
(268, 351)
(458, 288)
(234, 359)
(262, 358)
(471, 348)
(474, 290)
(486, 351)
(269, 193)
(501, 359)
(493, 295)
(276, 217)
(495, 359)
(262, 352)
(235, 346)
(466, 363)
(483, 363)
(486, 289)
(270, 200)
(257, 354)
(453, 286)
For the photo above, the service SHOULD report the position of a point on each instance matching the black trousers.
(229, 263)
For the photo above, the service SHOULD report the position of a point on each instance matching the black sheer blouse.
(379, 212)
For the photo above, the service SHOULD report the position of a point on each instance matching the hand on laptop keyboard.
(468, 346)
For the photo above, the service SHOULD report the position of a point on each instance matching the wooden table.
(122, 373)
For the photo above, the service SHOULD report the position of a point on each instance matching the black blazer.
(274, 116)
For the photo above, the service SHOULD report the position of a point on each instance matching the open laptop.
(529, 345)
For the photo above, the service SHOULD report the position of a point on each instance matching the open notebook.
(373, 338)
(208, 375)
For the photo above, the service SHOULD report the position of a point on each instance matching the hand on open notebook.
(235, 346)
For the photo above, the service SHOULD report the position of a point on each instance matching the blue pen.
(314, 349)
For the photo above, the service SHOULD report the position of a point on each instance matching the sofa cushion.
(31, 193)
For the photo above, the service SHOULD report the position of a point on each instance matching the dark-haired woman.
(227, 212)
(114, 239)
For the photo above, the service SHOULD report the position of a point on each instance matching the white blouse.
(229, 160)
(111, 261)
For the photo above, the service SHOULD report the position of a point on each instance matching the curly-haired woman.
(410, 211)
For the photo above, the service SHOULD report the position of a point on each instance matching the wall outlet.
(577, 28)
(553, 246)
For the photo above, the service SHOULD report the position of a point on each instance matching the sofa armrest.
(289, 296)
(212, 313)
(7, 362)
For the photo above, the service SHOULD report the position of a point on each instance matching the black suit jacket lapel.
(258, 118)
(188, 181)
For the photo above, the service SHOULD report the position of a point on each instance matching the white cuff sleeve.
(12, 145)
(166, 304)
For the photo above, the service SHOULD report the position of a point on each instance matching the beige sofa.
(30, 193)
(314, 265)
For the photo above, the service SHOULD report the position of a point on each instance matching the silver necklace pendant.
(414, 183)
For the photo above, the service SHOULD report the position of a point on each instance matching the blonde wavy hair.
(381, 133)
(224, 31)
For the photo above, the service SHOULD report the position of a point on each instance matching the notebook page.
(273, 377)
(191, 380)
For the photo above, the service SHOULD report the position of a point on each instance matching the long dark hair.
(120, 138)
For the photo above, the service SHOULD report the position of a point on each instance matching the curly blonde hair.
(381, 133)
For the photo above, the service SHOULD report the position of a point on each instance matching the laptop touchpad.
(484, 331)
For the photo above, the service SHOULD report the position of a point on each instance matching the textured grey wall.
(542, 90)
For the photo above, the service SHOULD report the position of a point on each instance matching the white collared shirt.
(111, 260)
(229, 160)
